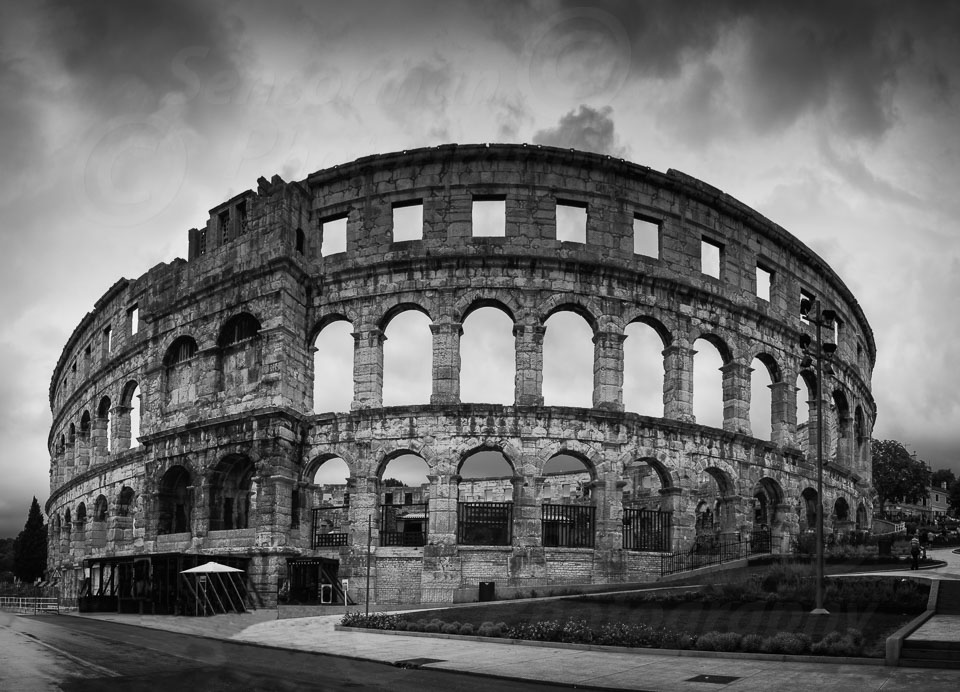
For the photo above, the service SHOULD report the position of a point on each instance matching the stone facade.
(183, 417)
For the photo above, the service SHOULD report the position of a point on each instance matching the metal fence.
(485, 523)
(710, 550)
(646, 529)
(568, 526)
(29, 605)
(328, 526)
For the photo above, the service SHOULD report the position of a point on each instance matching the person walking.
(915, 552)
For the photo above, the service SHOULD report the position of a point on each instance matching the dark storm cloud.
(842, 58)
(130, 55)
(587, 128)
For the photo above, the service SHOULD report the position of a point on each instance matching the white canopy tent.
(215, 588)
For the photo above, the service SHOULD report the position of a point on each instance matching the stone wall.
(192, 385)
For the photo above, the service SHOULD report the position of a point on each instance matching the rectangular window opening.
(710, 256)
(223, 220)
(489, 218)
(764, 282)
(571, 222)
(108, 339)
(133, 315)
(202, 243)
(646, 237)
(408, 221)
(242, 217)
(333, 236)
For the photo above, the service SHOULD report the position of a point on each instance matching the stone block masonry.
(183, 402)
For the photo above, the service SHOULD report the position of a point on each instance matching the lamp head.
(805, 341)
(829, 348)
(805, 306)
(806, 362)
(828, 317)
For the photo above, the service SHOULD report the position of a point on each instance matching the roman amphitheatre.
(187, 415)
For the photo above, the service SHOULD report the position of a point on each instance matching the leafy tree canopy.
(897, 477)
(942, 476)
(392, 483)
(30, 547)
(953, 497)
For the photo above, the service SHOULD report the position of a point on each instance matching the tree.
(953, 497)
(30, 547)
(897, 476)
(940, 476)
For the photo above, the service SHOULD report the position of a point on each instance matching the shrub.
(450, 628)
(488, 629)
(719, 641)
(786, 643)
(752, 643)
(466, 629)
(433, 626)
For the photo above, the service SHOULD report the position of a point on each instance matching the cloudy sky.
(122, 123)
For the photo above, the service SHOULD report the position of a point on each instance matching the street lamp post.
(818, 353)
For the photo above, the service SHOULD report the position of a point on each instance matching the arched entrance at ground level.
(485, 499)
(841, 520)
(716, 508)
(568, 506)
(329, 495)
(767, 517)
(404, 501)
(648, 507)
(862, 521)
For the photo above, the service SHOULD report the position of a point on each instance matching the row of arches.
(110, 429)
(78, 519)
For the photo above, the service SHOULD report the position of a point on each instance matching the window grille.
(485, 523)
(403, 525)
(646, 529)
(568, 526)
(328, 529)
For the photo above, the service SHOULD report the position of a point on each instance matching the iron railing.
(404, 525)
(485, 523)
(568, 526)
(29, 605)
(328, 526)
(646, 529)
(710, 550)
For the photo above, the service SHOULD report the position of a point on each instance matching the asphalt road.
(55, 652)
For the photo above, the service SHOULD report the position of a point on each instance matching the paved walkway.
(582, 666)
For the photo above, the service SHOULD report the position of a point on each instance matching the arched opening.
(860, 437)
(240, 356)
(485, 499)
(841, 443)
(104, 427)
(407, 359)
(125, 501)
(806, 395)
(333, 367)
(567, 360)
(173, 501)
(841, 517)
(487, 357)
(716, 519)
(767, 530)
(862, 519)
(85, 426)
(233, 494)
(807, 512)
(404, 501)
(67, 523)
(764, 374)
(81, 520)
(567, 509)
(707, 384)
(100, 509)
(643, 370)
(180, 376)
(330, 500)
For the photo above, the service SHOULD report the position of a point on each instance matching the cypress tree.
(30, 548)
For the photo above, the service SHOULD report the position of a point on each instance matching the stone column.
(683, 523)
(368, 368)
(785, 524)
(83, 451)
(783, 416)
(364, 503)
(736, 397)
(442, 525)
(678, 383)
(814, 413)
(608, 499)
(732, 518)
(446, 362)
(608, 370)
(528, 387)
(526, 528)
